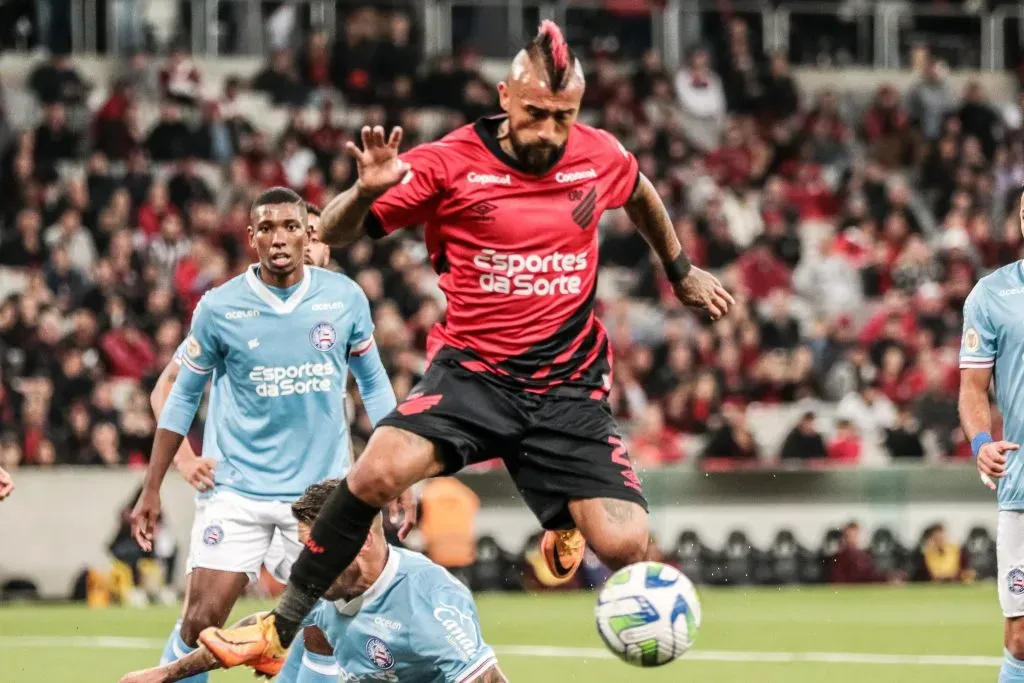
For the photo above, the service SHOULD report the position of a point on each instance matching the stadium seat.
(814, 570)
(489, 572)
(691, 556)
(981, 553)
(785, 557)
(889, 554)
(738, 560)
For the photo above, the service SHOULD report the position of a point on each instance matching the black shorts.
(556, 448)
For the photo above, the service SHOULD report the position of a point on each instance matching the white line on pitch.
(128, 643)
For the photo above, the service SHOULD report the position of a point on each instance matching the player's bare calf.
(212, 594)
(616, 530)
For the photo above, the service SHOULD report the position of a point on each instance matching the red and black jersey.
(517, 253)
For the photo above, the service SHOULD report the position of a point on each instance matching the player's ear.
(252, 236)
(503, 96)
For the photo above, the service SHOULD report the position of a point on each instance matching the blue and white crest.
(323, 337)
(1015, 581)
(379, 653)
(213, 534)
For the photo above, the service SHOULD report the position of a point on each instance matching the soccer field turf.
(902, 634)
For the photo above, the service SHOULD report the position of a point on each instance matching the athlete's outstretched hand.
(701, 289)
(6, 484)
(144, 518)
(377, 162)
(992, 461)
(405, 508)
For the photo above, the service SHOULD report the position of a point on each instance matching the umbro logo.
(254, 343)
(481, 211)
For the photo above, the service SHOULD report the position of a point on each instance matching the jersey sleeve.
(978, 344)
(200, 350)
(453, 635)
(178, 353)
(361, 338)
(621, 169)
(414, 199)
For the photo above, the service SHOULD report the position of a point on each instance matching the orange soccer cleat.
(563, 552)
(255, 645)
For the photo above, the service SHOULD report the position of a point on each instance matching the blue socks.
(319, 669)
(307, 667)
(1012, 670)
(290, 672)
(176, 649)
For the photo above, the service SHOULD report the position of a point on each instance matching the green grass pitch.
(899, 634)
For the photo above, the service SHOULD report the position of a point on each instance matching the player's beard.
(535, 157)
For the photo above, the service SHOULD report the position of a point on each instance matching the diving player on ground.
(392, 615)
(278, 342)
(521, 367)
(992, 347)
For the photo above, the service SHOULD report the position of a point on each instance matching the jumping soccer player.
(278, 342)
(521, 367)
(992, 346)
(392, 615)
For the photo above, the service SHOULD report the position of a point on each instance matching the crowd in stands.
(849, 240)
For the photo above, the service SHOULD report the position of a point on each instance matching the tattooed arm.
(490, 675)
(200, 661)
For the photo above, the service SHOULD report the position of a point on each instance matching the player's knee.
(374, 481)
(1015, 637)
(199, 615)
(619, 550)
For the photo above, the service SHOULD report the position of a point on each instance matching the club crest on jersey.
(379, 654)
(1015, 581)
(213, 534)
(192, 347)
(323, 337)
(972, 340)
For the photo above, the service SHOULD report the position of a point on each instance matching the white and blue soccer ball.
(648, 614)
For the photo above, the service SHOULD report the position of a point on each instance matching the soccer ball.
(648, 614)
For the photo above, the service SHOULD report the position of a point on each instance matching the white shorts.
(232, 533)
(1010, 560)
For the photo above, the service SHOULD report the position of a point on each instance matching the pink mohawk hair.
(559, 48)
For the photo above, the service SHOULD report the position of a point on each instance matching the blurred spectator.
(844, 448)
(853, 564)
(56, 81)
(804, 442)
(930, 99)
(730, 441)
(942, 559)
(180, 80)
(903, 440)
(281, 82)
(869, 411)
(702, 101)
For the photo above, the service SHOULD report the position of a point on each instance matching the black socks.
(337, 537)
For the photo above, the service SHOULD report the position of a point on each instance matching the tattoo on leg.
(618, 511)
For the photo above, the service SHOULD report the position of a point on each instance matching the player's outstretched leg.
(615, 529)
(211, 595)
(393, 461)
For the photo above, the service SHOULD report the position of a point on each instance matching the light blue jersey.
(415, 624)
(994, 336)
(279, 362)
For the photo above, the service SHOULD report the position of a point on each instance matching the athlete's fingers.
(395, 140)
(367, 136)
(393, 512)
(378, 136)
(1003, 446)
(409, 524)
(353, 151)
(721, 302)
(987, 481)
(724, 293)
(712, 309)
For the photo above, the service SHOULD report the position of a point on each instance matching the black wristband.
(678, 269)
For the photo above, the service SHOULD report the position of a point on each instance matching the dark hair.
(308, 506)
(312, 209)
(277, 195)
(559, 59)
